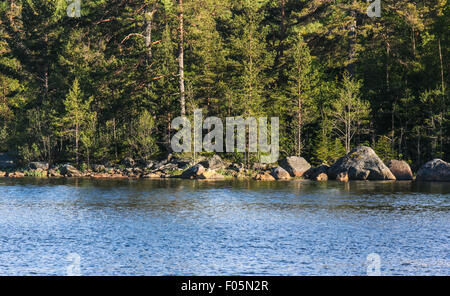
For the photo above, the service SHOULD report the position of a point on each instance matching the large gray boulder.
(434, 170)
(362, 163)
(294, 165)
(193, 172)
(280, 174)
(400, 169)
(7, 161)
(69, 171)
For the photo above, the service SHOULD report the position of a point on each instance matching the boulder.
(362, 163)
(16, 175)
(117, 176)
(99, 175)
(264, 176)
(210, 175)
(54, 173)
(7, 161)
(69, 171)
(128, 162)
(312, 173)
(400, 169)
(434, 170)
(321, 177)
(280, 174)
(38, 165)
(214, 163)
(193, 172)
(156, 175)
(296, 166)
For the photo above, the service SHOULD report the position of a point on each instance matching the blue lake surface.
(177, 227)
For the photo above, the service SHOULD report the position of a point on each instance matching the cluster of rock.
(362, 163)
(435, 170)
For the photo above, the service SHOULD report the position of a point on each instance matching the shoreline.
(93, 176)
(360, 164)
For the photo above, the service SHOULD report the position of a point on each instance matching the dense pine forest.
(107, 84)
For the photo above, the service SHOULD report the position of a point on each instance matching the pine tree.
(302, 81)
(77, 117)
(349, 111)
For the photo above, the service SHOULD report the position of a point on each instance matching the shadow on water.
(189, 195)
(303, 185)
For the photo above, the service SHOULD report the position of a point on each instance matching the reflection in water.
(161, 227)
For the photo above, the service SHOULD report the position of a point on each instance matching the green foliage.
(141, 139)
(327, 150)
(383, 148)
(77, 123)
(105, 86)
(349, 111)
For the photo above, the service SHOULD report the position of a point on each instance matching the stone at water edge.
(210, 175)
(155, 175)
(193, 172)
(400, 169)
(434, 170)
(321, 177)
(313, 173)
(266, 176)
(280, 174)
(362, 163)
(69, 171)
(53, 173)
(16, 175)
(295, 166)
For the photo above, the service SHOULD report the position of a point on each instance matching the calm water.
(175, 227)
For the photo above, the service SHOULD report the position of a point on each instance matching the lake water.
(176, 227)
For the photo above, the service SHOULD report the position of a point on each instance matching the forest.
(107, 84)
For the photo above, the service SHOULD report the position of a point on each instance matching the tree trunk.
(352, 37)
(76, 143)
(299, 116)
(280, 49)
(148, 33)
(181, 59)
(418, 147)
(443, 98)
(114, 136)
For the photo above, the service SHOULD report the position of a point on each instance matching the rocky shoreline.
(361, 163)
